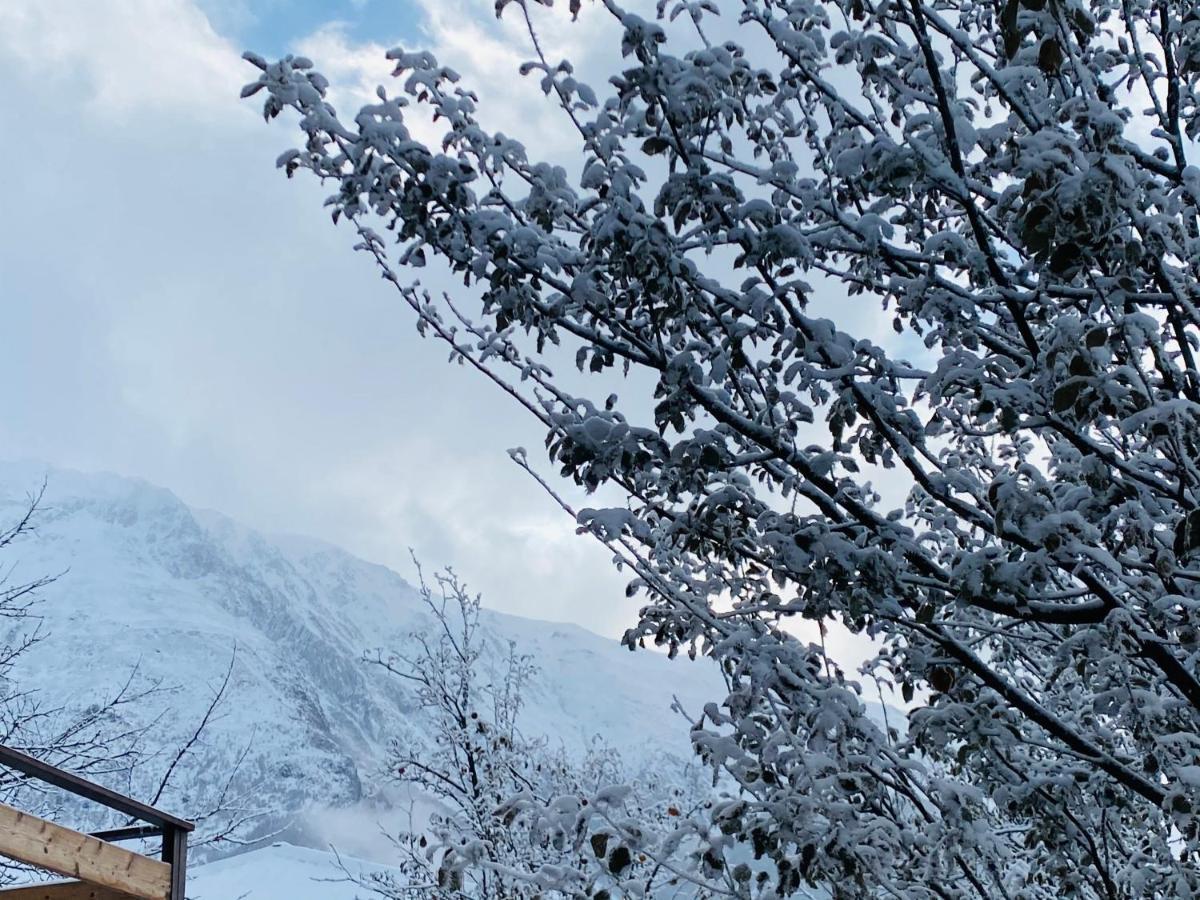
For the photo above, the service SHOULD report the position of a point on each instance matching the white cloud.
(354, 70)
(118, 57)
(487, 53)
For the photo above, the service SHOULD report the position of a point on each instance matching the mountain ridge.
(174, 593)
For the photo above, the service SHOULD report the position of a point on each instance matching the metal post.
(174, 852)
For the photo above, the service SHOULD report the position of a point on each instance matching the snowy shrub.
(513, 815)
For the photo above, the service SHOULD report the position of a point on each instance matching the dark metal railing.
(173, 830)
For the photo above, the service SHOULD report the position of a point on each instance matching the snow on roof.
(281, 872)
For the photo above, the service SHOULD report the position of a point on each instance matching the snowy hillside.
(173, 592)
(282, 872)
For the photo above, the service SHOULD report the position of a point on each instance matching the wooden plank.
(40, 843)
(61, 890)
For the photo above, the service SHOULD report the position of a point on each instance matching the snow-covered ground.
(282, 872)
(173, 593)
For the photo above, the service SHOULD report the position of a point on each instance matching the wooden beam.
(40, 843)
(61, 890)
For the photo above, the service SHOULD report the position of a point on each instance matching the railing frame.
(153, 822)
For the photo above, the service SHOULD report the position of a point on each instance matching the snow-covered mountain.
(174, 593)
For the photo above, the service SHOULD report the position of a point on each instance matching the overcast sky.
(175, 309)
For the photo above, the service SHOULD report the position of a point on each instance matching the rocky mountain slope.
(172, 594)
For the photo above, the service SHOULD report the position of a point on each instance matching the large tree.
(1009, 184)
